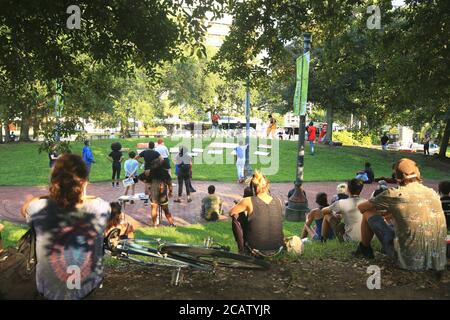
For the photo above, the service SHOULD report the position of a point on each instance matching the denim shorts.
(385, 234)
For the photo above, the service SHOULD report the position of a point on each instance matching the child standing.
(131, 167)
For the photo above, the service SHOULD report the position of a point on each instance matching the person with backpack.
(183, 163)
(153, 175)
(69, 228)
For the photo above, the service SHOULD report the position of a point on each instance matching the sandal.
(189, 200)
(177, 200)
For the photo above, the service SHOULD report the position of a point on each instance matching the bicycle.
(179, 256)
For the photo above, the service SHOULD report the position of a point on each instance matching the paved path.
(11, 198)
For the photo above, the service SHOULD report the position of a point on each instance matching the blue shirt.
(240, 152)
(87, 155)
(131, 167)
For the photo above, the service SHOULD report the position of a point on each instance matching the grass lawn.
(21, 164)
(219, 231)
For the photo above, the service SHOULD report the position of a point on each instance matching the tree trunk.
(7, 132)
(445, 140)
(329, 135)
(25, 128)
(36, 127)
(1, 132)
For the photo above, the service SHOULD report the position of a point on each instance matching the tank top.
(265, 225)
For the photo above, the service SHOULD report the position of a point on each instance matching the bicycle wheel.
(214, 257)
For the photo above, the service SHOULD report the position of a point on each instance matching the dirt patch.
(296, 280)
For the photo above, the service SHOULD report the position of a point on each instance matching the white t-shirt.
(348, 208)
(162, 150)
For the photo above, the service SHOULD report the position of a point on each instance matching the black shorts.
(135, 179)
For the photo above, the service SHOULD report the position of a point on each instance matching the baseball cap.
(406, 169)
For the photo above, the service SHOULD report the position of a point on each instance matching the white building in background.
(406, 136)
(217, 30)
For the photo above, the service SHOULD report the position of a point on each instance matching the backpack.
(184, 170)
(18, 269)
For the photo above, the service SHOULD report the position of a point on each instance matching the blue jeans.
(385, 234)
(311, 147)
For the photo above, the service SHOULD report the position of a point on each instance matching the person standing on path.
(312, 130)
(426, 144)
(240, 161)
(116, 158)
(88, 157)
(184, 163)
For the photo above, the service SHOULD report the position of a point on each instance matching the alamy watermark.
(74, 20)
(73, 281)
(212, 149)
(374, 20)
(374, 280)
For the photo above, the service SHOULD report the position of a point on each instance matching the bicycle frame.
(125, 248)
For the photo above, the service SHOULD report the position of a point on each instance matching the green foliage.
(349, 138)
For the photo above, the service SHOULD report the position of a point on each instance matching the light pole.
(298, 203)
(248, 171)
(59, 87)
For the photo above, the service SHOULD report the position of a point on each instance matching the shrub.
(349, 138)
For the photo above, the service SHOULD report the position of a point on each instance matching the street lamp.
(298, 203)
(248, 171)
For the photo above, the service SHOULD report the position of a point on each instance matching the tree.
(36, 45)
(414, 54)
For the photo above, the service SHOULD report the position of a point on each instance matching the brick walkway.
(11, 199)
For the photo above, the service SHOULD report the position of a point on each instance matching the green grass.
(12, 233)
(219, 231)
(21, 164)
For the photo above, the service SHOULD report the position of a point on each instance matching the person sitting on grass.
(341, 193)
(239, 224)
(69, 228)
(382, 186)
(316, 216)
(131, 167)
(264, 232)
(117, 221)
(418, 239)
(390, 179)
(366, 175)
(211, 205)
(343, 216)
(444, 191)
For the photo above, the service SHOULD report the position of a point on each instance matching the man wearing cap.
(417, 241)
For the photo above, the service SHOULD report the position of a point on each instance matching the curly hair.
(258, 182)
(67, 179)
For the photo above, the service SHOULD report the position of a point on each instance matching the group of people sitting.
(70, 225)
(410, 221)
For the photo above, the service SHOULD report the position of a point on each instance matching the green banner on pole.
(301, 85)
